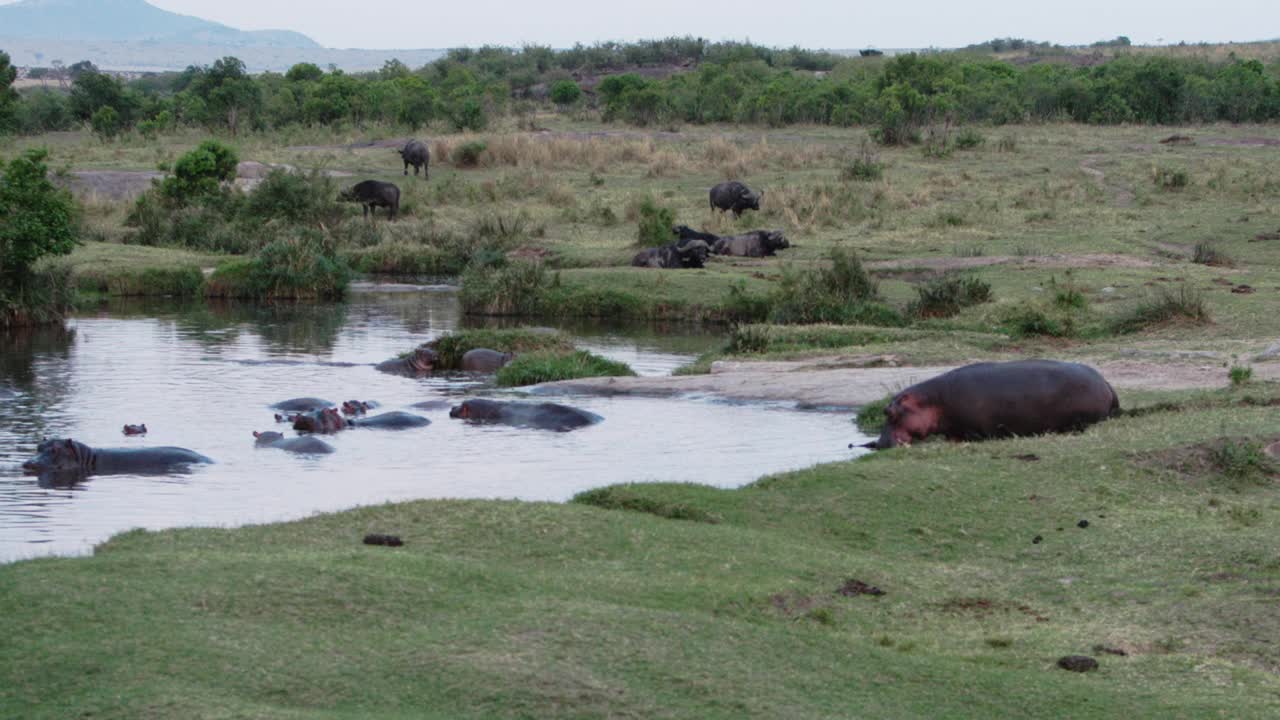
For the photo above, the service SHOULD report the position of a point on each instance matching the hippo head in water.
(58, 456)
(423, 359)
(267, 438)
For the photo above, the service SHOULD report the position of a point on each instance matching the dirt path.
(824, 383)
(942, 264)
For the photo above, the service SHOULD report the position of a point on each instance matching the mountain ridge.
(132, 21)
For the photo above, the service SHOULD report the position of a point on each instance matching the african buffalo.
(417, 154)
(373, 194)
(677, 255)
(757, 243)
(734, 197)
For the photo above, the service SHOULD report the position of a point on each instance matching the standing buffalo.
(734, 197)
(677, 255)
(417, 154)
(757, 243)
(991, 400)
(373, 194)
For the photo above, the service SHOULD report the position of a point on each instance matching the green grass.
(689, 601)
(540, 367)
(98, 268)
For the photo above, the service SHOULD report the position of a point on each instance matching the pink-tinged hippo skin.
(67, 456)
(422, 361)
(994, 400)
(325, 421)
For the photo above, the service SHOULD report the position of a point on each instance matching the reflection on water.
(201, 376)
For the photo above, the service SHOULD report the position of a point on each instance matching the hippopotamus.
(431, 405)
(357, 407)
(373, 194)
(485, 360)
(734, 197)
(304, 404)
(544, 416)
(992, 400)
(135, 429)
(328, 420)
(422, 361)
(395, 420)
(418, 155)
(69, 456)
(305, 445)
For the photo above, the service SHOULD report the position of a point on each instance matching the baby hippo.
(305, 445)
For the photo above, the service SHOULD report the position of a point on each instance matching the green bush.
(467, 155)
(299, 267)
(37, 220)
(654, 225)
(540, 367)
(513, 289)
(1171, 178)
(1240, 375)
(292, 197)
(452, 346)
(968, 139)
(565, 92)
(841, 292)
(947, 296)
(1206, 254)
(106, 123)
(871, 417)
(1184, 304)
(200, 173)
(1029, 320)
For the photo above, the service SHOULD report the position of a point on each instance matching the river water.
(201, 376)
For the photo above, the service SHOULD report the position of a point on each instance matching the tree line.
(701, 82)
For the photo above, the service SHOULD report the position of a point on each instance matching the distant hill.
(131, 21)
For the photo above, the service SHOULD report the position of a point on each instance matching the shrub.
(200, 173)
(292, 197)
(302, 266)
(1007, 143)
(452, 346)
(1206, 254)
(1029, 320)
(840, 293)
(1170, 178)
(865, 167)
(37, 219)
(968, 139)
(1185, 304)
(514, 289)
(565, 92)
(1067, 296)
(540, 367)
(467, 155)
(1242, 461)
(871, 417)
(1240, 375)
(654, 224)
(106, 123)
(947, 296)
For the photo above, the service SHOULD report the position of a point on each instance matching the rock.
(1077, 663)
(380, 539)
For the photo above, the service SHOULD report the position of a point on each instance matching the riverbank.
(1146, 542)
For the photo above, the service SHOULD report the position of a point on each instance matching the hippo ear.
(256, 433)
(71, 447)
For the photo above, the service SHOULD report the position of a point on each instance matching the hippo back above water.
(72, 457)
(485, 360)
(305, 445)
(543, 416)
(993, 400)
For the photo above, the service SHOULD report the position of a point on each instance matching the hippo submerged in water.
(993, 400)
(330, 420)
(306, 445)
(70, 456)
(422, 361)
(303, 404)
(544, 416)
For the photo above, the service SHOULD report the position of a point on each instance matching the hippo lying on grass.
(485, 360)
(543, 416)
(306, 445)
(69, 456)
(993, 400)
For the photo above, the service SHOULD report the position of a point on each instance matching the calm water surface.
(202, 376)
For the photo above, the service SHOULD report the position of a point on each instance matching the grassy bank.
(708, 603)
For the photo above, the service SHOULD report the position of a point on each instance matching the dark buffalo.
(543, 416)
(395, 420)
(684, 234)
(417, 154)
(734, 197)
(676, 256)
(992, 400)
(328, 420)
(135, 429)
(485, 360)
(306, 445)
(422, 361)
(71, 457)
(304, 404)
(373, 194)
(757, 243)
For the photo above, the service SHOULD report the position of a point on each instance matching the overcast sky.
(808, 23)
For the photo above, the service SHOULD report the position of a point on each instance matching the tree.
(304, 72)
(39, 218)
(200, 173)
(230, 95)
(105, 123)
(8, 96)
